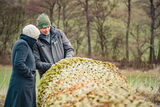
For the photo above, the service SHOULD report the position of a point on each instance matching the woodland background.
(125, 31)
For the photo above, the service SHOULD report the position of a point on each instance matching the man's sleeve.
(43, 66)
(68, 49)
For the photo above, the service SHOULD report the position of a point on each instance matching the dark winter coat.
(21, 91)
(47, 54)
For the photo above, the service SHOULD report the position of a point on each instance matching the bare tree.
(155, 23)
(59, 12)
(39, 6)
(157, 26)
(78, 34)
(66, 10)
(128, 5)
(85, 5)
(158, 58)
(117, 43)
(151, 7)
(88, 28)
(141, 40)
(152, 15)
(12, 20)
(102, 9)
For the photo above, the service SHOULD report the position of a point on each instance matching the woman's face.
(45, 30)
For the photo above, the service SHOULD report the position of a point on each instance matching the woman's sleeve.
(20, 59)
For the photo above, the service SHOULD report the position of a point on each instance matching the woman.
(21, 91)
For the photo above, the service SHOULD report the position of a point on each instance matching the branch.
(132, 34)
(125, 2)
(158, 25)
(158, 14)
(158, 4)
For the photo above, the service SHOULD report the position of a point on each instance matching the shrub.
(83, 82)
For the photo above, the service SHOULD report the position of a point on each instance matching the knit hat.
(43, 21)
(31, 30)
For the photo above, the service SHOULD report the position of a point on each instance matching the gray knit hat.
(43, 21)
(31, 30)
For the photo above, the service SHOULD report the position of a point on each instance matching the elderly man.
(52, 45)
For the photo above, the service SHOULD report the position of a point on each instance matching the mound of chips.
(83, 82)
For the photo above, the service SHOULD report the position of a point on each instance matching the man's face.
(45, 30)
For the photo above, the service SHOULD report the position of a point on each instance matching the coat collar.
(31, 41)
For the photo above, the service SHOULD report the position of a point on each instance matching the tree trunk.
(128, 28)
(64, 19)
(158, 59)
(88, 28)
(152, 13)
(2, 28)
(51, 12)
(59, 10)
(102, 44)
(51, 15)
(102, 38)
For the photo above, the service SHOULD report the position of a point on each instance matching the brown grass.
(151, 94)
(2, 98)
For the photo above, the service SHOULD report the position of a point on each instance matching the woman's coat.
(21, 91)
